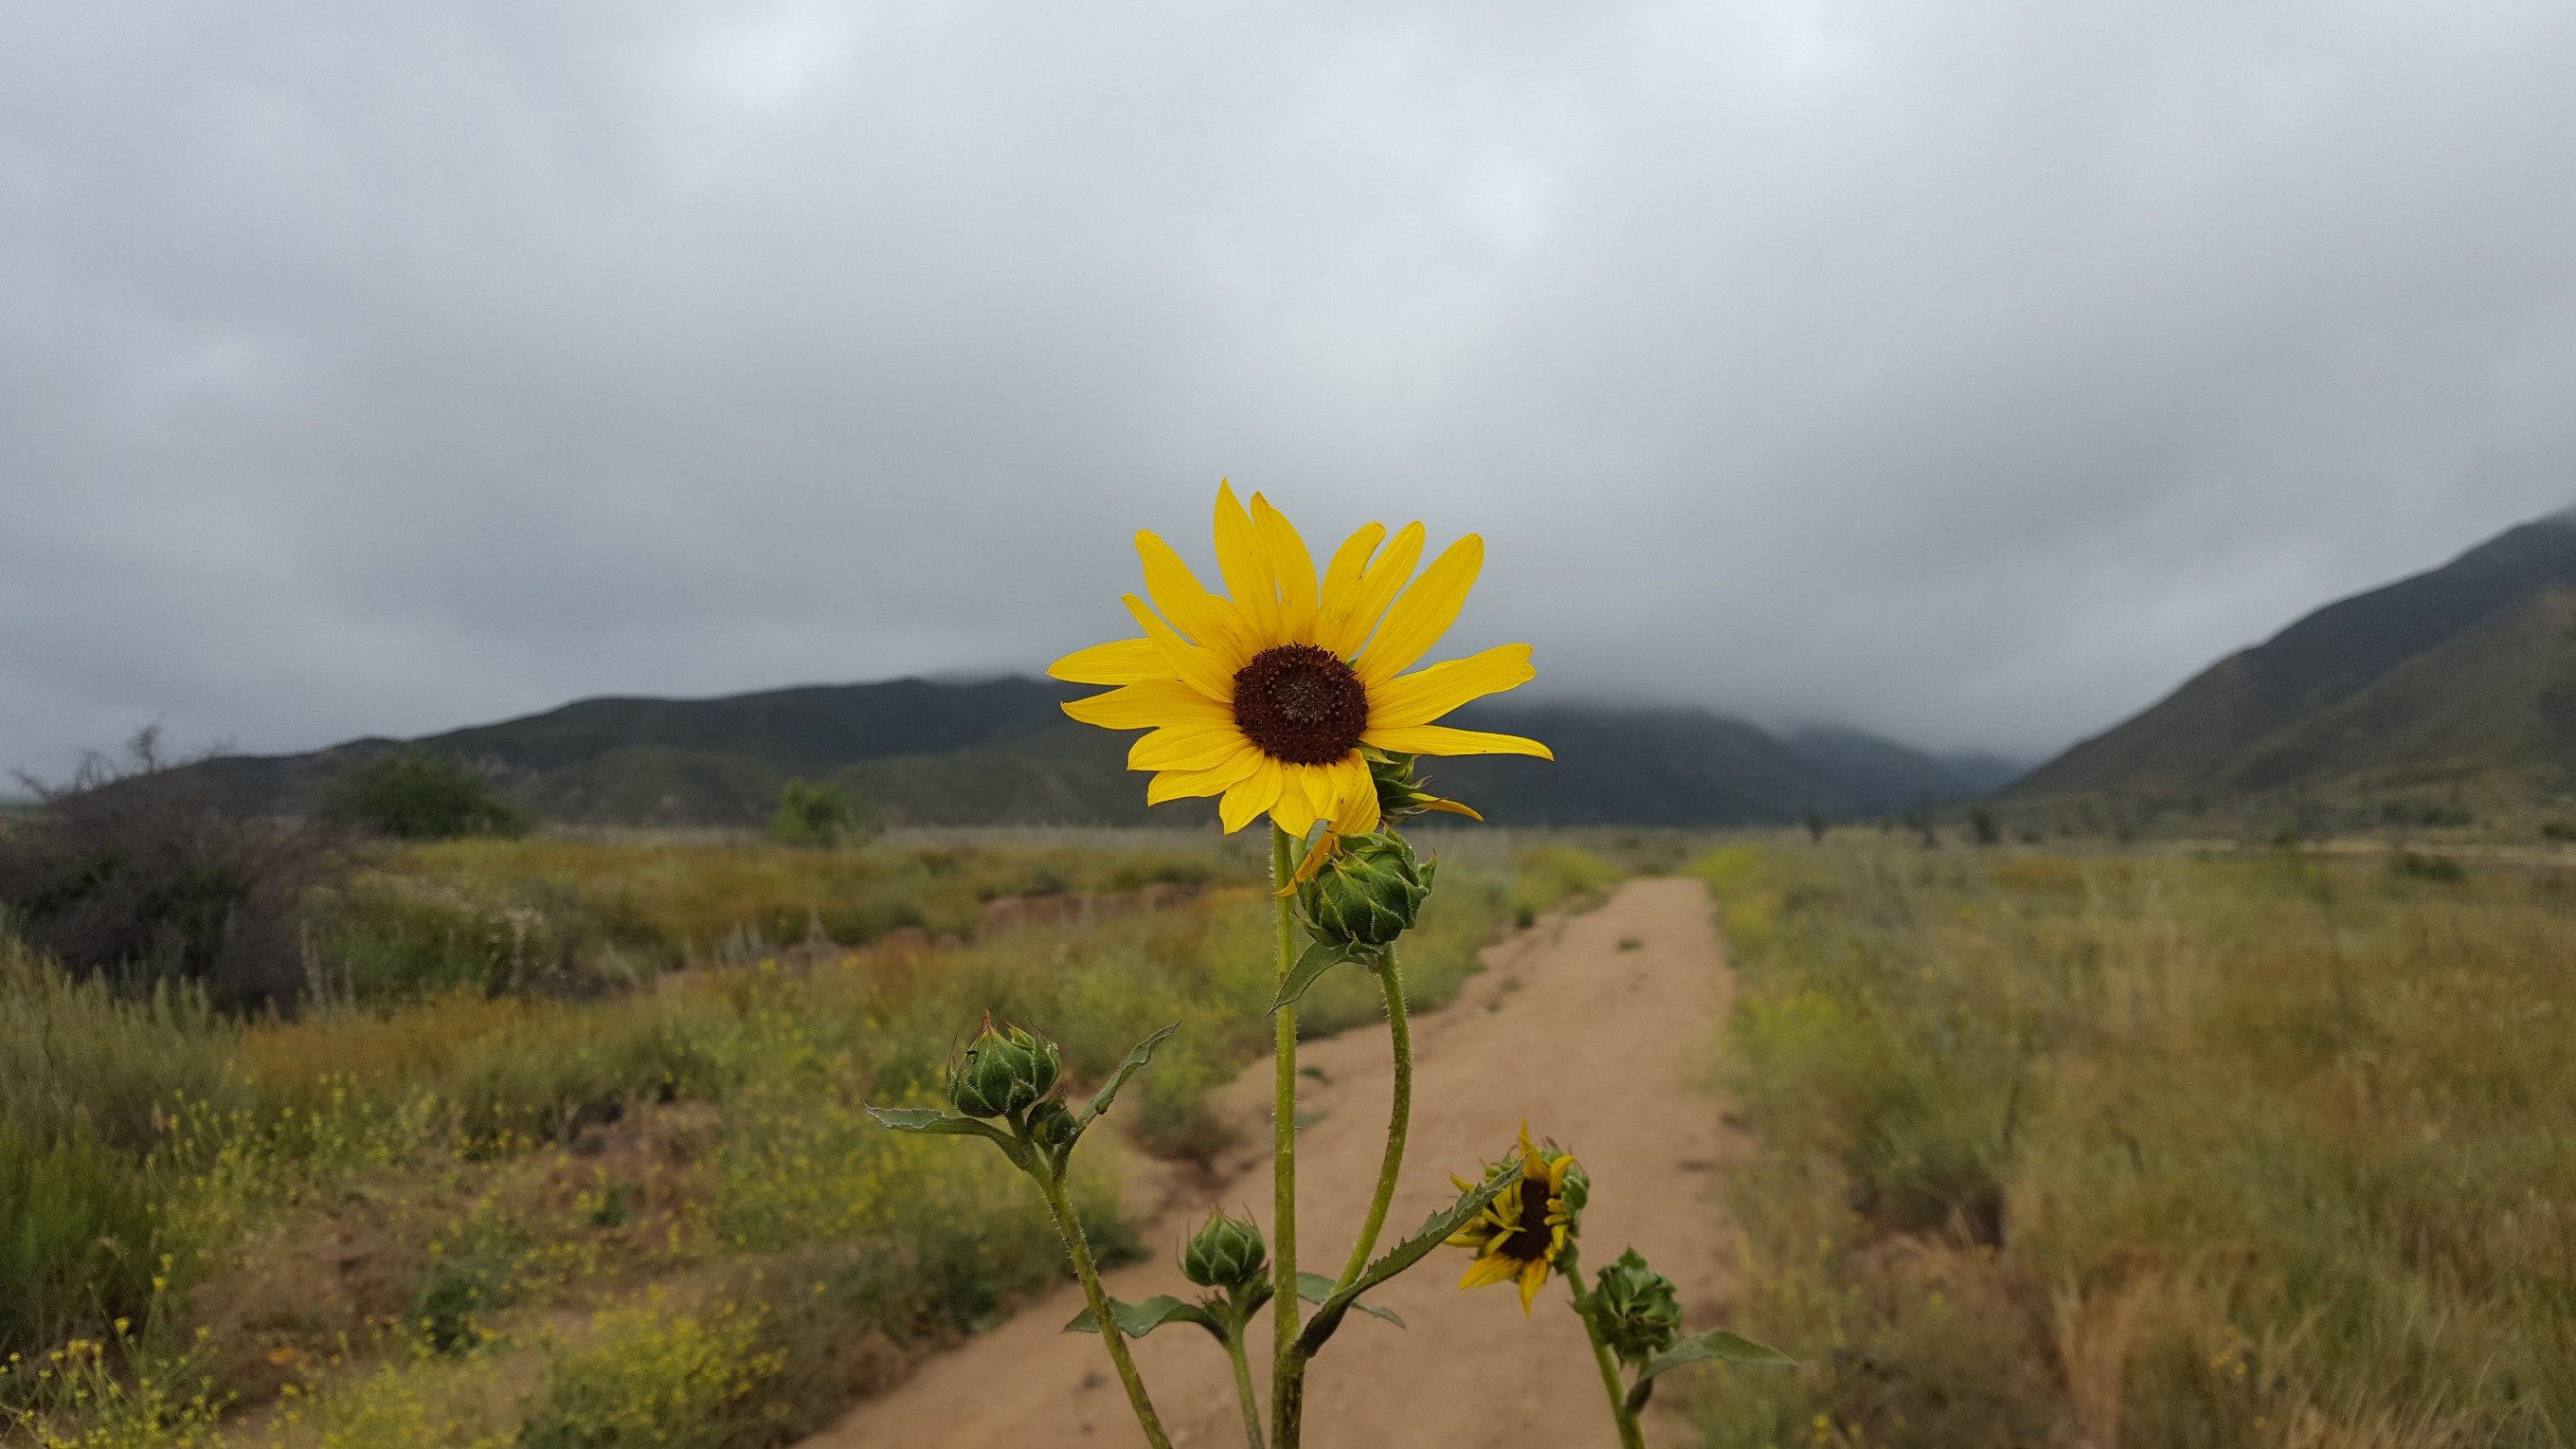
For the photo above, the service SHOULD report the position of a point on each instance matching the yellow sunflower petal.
(1377, 589)
(1251, 796)
(1423, 696)
(1120, 661)
(1185, 747)
(1442, 740)
(1496, 1269)
(1293, 568)
(1209, 621)
(1203, 669)
(1246, 566)
(1149, 704)
(1191, 784)
(1425, 612)
(1342, 584)
(1533, 1278)
(1296, 811)
(1358, 813)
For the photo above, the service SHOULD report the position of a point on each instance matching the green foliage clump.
(663, 1377)
(76, 1240)
(814, 814)
(413, 794)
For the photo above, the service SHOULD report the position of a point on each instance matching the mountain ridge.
(2451, 679)
(1001, 751)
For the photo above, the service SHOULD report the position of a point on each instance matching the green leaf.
(1435, 1230)
(1717, 1344)
(1135, 1320)
(1316, 1288)
(1135, 1061)
(931, 1121)
(1317, 959)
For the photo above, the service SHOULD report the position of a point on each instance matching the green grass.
(2154, 1150)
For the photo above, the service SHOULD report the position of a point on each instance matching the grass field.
(2248, 1148)
(571, 1151)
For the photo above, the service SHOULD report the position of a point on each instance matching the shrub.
(812, 814)
(76, 1240)
(413, 794)
(144, 875)
(661, 1377)
(80, 1059)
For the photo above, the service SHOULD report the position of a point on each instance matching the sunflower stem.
(1288, 1367)
(1243, 1387)
(1398, 1124)
(1631, 1435)
(1070, 1227)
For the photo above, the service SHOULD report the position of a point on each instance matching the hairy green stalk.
(1074, 1243)
(1631, 1435)
(1287, 1366)
(1398, 1124)
(1243, 1388)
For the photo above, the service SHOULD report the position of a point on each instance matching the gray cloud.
(1970, 373)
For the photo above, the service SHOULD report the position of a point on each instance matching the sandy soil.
(1606, 1047)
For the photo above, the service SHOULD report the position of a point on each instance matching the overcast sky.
(1969, 372)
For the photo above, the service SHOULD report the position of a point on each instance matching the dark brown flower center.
(1530, 1234)
(1300, 704)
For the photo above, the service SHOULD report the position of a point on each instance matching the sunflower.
(1529, 1227)
(1266, 694)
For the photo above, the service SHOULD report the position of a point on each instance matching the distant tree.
(413, 794)
(816, 814)
(1815, 821)
(140, 875)
(1981, 823)
(1919, 819)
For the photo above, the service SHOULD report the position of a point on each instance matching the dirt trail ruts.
(1600, 1029)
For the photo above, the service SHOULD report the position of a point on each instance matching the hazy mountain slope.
(1877, 776)
(2200, 736)
(1003, 752)
(810, 729)
(2495, 706)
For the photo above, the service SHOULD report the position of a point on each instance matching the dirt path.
(1600, 1029)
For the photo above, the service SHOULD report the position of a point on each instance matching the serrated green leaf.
(1135, 1320)
(1715, 1345)
(1134, 1062)
(1316, 1288)
(1435, 1230)
(1312, 963)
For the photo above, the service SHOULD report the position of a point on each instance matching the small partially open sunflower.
(1525, 1231)
(1264, 695)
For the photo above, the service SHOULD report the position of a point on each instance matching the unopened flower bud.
(1051, 1124)
(1369, 893)
(1227, 1253)
(1636, 1309)
(1004, 1071)
(1399, 796)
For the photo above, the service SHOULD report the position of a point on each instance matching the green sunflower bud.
(1052, 1125)
(1401, 797)
(1636, 1310)
(1369, 893)
(1227, 1253)
(1003, 1072)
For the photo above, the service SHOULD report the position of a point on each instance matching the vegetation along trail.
(1599, 1029)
